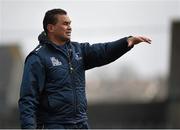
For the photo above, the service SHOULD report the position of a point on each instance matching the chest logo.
(78, 56)
(55, 62)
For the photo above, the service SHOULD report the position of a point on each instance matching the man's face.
(62, 29)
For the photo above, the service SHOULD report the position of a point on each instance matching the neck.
(56, 40)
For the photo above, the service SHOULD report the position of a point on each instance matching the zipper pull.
(71, 69)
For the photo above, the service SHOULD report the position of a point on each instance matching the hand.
(137, 39)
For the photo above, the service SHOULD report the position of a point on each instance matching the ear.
(50, 27)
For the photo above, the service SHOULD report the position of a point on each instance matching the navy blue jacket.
(53, 84)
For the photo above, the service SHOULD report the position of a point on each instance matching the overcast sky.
(99, 21)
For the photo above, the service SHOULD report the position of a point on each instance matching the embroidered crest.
(55, 62)
(78, 56)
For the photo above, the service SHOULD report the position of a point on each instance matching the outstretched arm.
(101, 54)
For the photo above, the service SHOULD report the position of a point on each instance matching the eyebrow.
(67, 21)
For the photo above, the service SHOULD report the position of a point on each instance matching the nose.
(69, 28)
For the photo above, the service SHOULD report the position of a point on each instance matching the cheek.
(60, 31)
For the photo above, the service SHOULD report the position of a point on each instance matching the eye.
(67, 23)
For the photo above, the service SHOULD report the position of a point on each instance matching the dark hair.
(50, 17)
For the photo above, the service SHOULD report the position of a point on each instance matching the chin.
(68, 38)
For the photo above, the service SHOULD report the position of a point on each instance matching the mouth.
(68, 33)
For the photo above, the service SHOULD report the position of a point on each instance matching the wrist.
(130, 41)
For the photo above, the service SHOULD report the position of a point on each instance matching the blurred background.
(139, 90)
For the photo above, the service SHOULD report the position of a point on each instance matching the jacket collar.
(43, 39)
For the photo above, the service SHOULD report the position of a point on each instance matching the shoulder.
(40, 48)
(35, 54)
(75, 43)
(80, 45)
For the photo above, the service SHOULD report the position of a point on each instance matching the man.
(52, 92)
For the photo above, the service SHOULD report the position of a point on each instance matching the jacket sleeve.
(31, 87)
(103, 53)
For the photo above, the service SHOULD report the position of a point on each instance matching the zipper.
(71, 69)
(69, 52)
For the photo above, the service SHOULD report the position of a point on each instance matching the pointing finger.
(145, 39)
